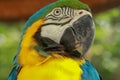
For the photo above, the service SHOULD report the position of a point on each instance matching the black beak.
(79, 35)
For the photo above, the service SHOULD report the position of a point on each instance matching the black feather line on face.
(57, 24)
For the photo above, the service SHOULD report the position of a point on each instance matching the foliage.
(9, 38)
(106, 46)
(104, 53)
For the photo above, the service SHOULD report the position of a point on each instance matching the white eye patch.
(53, 32)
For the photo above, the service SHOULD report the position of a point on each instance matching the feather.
(89, 72)
(13, 74)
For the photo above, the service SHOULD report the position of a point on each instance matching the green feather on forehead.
(75, 4)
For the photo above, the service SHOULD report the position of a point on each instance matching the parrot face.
(65, 26)
(69, 28)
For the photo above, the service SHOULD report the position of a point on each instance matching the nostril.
(80, 12)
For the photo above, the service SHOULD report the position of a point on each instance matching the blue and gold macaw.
(54, 42)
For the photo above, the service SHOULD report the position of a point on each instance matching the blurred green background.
(104, 53)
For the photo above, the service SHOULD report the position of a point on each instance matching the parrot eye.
(57, 12)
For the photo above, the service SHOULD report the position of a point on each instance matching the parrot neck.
(28, 54)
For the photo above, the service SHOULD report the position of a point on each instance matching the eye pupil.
(57, 11)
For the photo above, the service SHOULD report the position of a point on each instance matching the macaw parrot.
(54, 42)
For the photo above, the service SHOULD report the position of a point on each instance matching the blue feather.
(13, 74)
(89, 72)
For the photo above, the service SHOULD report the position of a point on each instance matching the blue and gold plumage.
(54, 42)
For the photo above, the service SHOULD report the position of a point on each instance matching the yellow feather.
(27, 55)
(52, 69)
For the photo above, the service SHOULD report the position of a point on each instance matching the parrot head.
(66, 25)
